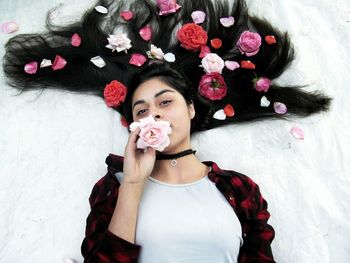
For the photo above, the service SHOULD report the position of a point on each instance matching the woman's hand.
(138, 164)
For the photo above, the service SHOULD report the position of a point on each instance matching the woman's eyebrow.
(155, 96)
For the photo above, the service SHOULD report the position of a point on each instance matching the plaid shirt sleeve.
(258, 234)
(100, 245)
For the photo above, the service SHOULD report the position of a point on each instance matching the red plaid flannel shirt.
(102, 246)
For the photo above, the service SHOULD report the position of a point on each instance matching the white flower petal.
(101, 9)
(231, 65)
(98, 61)
(198, 17)
(170, 57)
(220, 115)
(227, 21)
(264, 102)
(45, 63)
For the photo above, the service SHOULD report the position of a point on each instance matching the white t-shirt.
(190, 223)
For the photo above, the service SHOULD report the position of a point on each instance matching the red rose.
(192, 36)
(212, 86)
(114, 93)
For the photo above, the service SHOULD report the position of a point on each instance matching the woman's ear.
(191, 110)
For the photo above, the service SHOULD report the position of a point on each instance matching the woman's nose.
(156, 115)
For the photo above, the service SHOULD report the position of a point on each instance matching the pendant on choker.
(173, 157)
(174, 162)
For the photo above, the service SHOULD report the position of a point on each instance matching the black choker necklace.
(174, 156)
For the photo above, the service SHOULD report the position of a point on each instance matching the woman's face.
(156, 98)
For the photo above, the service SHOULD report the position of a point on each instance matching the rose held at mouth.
(153, 133)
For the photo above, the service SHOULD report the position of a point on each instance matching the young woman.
(158, 212)
(218, 69)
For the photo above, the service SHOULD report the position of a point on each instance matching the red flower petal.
(127, 15)
(216, 43)
(229, 111)
(270, 39)
(247, 64)
(59, 63)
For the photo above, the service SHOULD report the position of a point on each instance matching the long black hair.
(81, 76)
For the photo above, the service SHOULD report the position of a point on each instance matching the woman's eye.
(141, 112)
(165, 102)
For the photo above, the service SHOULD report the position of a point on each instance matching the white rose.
(155, 52)
(118, 42)
(213, 63)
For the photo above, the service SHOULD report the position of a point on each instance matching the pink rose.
(262, 84)
(212, 86)
(213, 63)
(167, 6)
(153, 133)
(249, 43)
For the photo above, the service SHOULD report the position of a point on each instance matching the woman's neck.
(188, 169)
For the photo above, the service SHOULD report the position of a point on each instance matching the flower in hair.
(192, 36)
(137, 59)
(75, 40)
(127, 15)
(222, 114)
(146, 33)
(118, 42)
(155, 52)
(58, 63)
(270, 39)
(212, 63)
(31, 67)
(231, 65)
(279, 107)
(216, 43)
(262, 84)
(227, 21)
(167, 7)
(114, 93)
(198, 17)
(247, 64)
(212, 86)
(205, 50)
(153, 133)
(264, 102)
(249, 43)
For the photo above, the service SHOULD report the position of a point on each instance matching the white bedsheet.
(52, 148)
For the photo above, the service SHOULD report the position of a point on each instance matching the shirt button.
(231, 197)
(109, 193)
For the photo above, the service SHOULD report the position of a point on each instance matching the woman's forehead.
(151, 87)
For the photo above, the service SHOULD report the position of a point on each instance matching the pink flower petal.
(59, 63)
(137, 59)
(198, 17)
(9, 27)
(280, 107)
(227, 21)
(31, 67)
(146, 33)
(231, 65)
(127, 15)
(75, 40)
(297, 132)
(205, 50)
